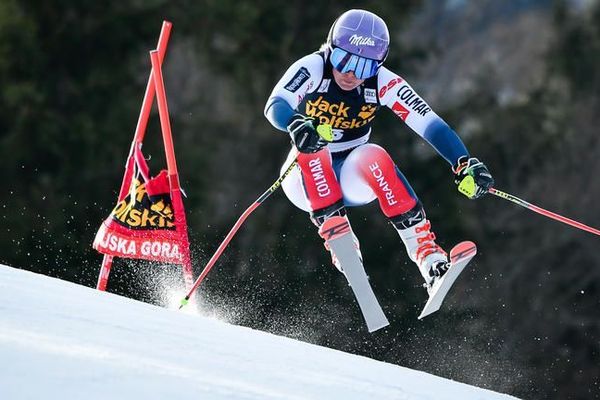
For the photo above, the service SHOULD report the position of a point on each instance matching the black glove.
(303, 131)
(472, 177)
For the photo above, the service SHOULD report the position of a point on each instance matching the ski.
(460, 256)
(336, 231)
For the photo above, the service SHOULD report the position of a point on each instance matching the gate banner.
(147, 223)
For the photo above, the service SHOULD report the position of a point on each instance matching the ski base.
(337, 233)
(460, 256)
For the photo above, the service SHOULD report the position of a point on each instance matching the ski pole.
(325, 131)
(543, 212)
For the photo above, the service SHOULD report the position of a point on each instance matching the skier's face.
(347, 81)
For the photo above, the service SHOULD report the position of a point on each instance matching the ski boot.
(415, 231)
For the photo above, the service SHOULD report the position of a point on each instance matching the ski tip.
(334, 227)
(463, 250)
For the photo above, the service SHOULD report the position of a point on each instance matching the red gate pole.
(165, 124)
(163, 112)
(140, 131)
(104, 272)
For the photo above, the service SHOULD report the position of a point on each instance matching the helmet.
(359, 41)
(362, 33)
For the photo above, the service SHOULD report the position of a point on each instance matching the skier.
(344, 84)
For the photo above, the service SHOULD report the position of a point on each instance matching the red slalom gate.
(149, 220)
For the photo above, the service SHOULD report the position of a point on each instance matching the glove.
(303, 131)
(472, 177)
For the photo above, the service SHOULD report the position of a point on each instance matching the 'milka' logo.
(361, 41)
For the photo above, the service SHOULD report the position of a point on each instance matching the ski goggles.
(344, 62)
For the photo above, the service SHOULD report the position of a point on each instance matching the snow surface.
(59, 340)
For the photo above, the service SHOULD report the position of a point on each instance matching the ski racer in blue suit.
(345, 84)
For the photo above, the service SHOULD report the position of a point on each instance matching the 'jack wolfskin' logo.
(321, 106)
(339, 115)
(137, 211)
(163, 209)
(367, 111)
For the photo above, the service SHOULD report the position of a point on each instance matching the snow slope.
(59, 340)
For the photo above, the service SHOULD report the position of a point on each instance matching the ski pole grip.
(467, 186)
(325, 132)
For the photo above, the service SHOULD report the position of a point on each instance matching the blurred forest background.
(519, 80)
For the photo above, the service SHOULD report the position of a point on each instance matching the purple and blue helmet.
(359, 41)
